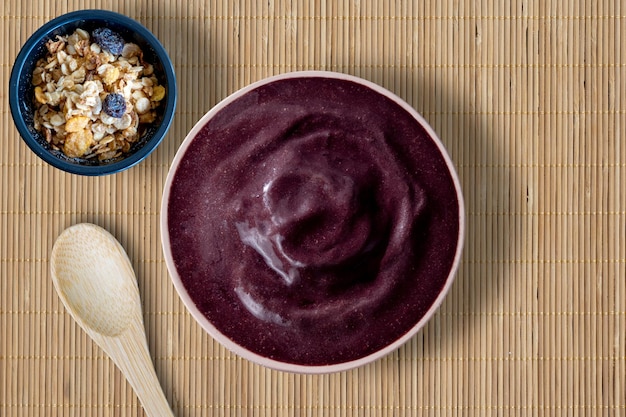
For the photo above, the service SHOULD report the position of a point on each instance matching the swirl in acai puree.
(313, 220)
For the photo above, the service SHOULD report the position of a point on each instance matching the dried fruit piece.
(109, 40)
(114, 105)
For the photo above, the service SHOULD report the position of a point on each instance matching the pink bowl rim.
(244, 352)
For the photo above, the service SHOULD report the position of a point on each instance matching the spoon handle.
(130, 353)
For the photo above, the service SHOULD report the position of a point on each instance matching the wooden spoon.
(96, 282)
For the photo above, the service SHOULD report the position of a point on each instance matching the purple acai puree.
(313, 221)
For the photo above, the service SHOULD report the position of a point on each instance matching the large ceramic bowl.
(312, 222)
(21, 89)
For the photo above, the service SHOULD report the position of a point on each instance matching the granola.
(76, 92)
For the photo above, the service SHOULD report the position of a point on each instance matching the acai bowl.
(312, 222)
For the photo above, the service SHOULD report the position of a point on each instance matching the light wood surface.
(529, 97)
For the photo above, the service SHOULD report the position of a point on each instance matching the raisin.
(114, 105)
(109, 40)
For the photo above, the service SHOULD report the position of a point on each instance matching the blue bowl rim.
(92, 15)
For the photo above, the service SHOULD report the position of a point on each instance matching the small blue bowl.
(21, 90)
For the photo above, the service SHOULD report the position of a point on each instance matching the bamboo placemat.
(529, 96)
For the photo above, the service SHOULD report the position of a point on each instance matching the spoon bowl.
(96, 282)
(104, 302)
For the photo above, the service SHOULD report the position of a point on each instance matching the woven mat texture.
(529, 98)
